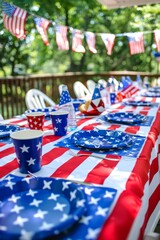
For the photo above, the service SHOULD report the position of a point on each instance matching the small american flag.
(108, 40)
(157, 39)
(42, 25)
(90, 38)
(136, 42)
(77, 41)
(61, 37)
(14, 19)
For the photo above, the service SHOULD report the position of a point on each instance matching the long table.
(132, 173)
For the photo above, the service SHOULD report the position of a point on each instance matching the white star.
(65, 185)
(101, 211)
(26, 235)
(58, 120)
(92, 233)
(94, 200)
(46, 226)
(64, 217)
(55, 129)
(59, 206)
(35, 202)
(24, 148)
(13, 198)
(10, 184)
(26, 179)
(47, 184)
(1, 215)
(73, 195)
(109, 194)
(31, 161)
(40, 214)
(17, 209)
(3, 228)
(9, 178)
(31, 193)
(85, 220)
(80, 203)
(88, 190)
(20, 221)
(53, 196)
(39, 146)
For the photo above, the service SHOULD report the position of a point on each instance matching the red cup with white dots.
(35, 120)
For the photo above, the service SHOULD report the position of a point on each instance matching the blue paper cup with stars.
(112, 98)
(59, 122)
(28, 149)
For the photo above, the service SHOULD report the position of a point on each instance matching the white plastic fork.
(92, 155)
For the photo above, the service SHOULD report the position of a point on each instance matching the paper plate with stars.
(101, 139)
(36, 208)
(125, 117)
(138, 103)
(6, 130)
(151, 94)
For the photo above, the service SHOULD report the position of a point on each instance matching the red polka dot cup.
(35, 120)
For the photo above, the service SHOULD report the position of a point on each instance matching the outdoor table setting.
(100, 181)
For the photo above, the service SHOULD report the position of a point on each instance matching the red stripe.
(68, 167)
(52, 155)
(118, 224)
(101, 171)
(154, 168)
(8, 168)
(153, 201)
(132, 129)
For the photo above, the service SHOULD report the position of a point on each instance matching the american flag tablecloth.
(137, 179)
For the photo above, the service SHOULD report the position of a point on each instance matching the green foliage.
(32, 56)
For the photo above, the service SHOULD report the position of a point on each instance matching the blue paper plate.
(125, 117)
(151, 94)
(39, 207)
(6, 130)
(47, 110)
(154, 90)
(138, 103)
(101, 139)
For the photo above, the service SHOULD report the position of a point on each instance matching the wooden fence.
(13, 89)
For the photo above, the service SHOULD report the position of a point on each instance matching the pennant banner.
(91, 39)
(61, 37)
(77, 41)
(136, 42)
(157, 39)
(108, 40)
(42, 25)
(14, 19)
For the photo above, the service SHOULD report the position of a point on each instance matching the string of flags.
(14, 19)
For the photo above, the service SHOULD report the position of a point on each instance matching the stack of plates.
(39, 207)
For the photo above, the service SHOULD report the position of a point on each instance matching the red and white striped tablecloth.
(137, 179)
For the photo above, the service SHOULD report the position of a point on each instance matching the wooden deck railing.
(13, 89)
